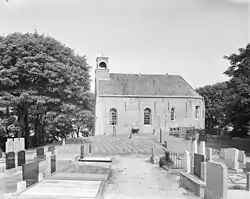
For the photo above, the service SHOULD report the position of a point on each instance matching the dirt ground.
(134, 177)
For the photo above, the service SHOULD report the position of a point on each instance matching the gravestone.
(53, 164)
(10, 160)
(198, 159)
(194, 146)
(9, 145)
(40, 154)
(30, 172)
(209, 155)
(52, 149)
(82, 155)
(216, 181)
(21, 158)
(22, 144)
(90, 148)
(232, 156)
(16, 145)
(187, 162)
(247, 168)
(242, 157)
(202, 148)
(222, 154)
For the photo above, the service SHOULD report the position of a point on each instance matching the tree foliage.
(215, 101)
(43, 83)
(229, 102)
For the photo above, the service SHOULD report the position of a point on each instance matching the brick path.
(120, 145)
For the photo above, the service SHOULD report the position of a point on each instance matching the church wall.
(130, 112)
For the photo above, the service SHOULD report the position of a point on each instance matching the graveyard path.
(134, 177)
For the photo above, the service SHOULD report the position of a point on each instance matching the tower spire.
(102, 49)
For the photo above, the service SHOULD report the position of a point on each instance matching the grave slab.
(198, 159)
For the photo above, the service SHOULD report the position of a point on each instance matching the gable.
(146, 85)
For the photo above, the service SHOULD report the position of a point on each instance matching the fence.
(177, 160)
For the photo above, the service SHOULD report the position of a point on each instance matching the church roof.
(146, 84)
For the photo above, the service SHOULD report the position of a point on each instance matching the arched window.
(197, 112)
(113, 116)
(172, 114)
(147, 116)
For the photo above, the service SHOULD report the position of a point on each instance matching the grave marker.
(16, 145)
(242, 157)
(209, 154)
(22, 144)
(202, 148)
(40, 153)
(30, 172)
(216, 181)
(232, 156)
(48, 164)
(21, 186)
(1, 153)
(222, 154)
(53, 164)
(198, 159)
(187, 161)
(10, 160)
(21, 158)
(52, 149)
(9, 145)
(194, 146)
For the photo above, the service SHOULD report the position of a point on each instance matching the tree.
(44, 82)
(238, 107)
(215, 97)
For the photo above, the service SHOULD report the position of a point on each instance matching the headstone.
(30, 172)
(48, 164)
(248, 182)
(82, 155)
(194, 146)
(9, 145)
(161, 140)
(222, 154)
(152, 158)
(21, 158)
(22, 144)
(247, 169)
(190, 145)
(203, 171)
(90, 148)
(209, 154)
(21, 186)
(53, 164)
(202, 148)
(242, 157)
(198, 159)
(40, 177)
(52, 149)
(187, 162)
(16, 145)
(10, 160)
(216, 181)
(40, 153)
(232, 156)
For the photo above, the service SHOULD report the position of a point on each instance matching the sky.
(178, 37)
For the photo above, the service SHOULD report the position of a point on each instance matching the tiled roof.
(146, 84)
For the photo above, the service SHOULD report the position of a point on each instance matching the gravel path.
(135, 178)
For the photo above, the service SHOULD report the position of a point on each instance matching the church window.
(197, 110)
(147, 116)
(113, 116)
(172, 114)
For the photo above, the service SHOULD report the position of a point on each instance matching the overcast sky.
(185, 37)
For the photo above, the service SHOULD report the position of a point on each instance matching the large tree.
(215, 97)
(238, 108)
(44, 82)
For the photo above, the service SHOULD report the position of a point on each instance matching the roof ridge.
(142, 74)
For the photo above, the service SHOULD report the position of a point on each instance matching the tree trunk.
(77, 132)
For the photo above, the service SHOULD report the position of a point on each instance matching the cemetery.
(39, 175)
(213, 176)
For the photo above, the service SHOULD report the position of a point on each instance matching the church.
(148, 102)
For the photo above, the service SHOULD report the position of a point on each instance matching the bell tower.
(102, 71)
